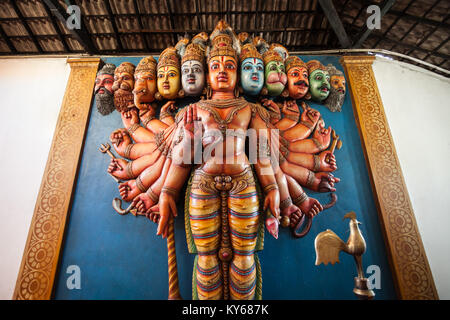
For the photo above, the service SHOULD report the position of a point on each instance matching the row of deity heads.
(194, 68)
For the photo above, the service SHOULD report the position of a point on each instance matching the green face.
(319, 85)
(275, 78)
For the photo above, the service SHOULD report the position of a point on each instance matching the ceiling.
(417, 28)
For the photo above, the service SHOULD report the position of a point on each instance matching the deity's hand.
(167, 211)
(324, 182)
(130, 117)
(311, 207)
(120, 140)
(272, 201)
(309, 116)
(142, 202)
(292, 212)
(192, 124)
(169, 107)
(153, 213)
(117, 168)
(290, 108)
(273, 108)
(327, 161)
(322, 135)
(128, 190)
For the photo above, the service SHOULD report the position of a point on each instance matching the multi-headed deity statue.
(104, 94)
(232, 193)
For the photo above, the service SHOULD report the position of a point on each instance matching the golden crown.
(271, 55)
(194, 52)
(125, 67)
(294, 61)
(222, 41)
(168, 58)
(249, 51)
(315, 65)
(147, 64)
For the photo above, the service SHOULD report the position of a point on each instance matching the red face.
(222, 73)
(298, 82)
(102, 82)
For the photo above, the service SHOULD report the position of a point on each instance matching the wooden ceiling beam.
(386, 6)
(335, 22)
(9, 43)
(112, 19)
(79, 34)
(27, 27)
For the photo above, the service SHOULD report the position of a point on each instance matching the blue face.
(252, 76)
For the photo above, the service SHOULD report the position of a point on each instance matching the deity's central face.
(319, 81)
(168, 82)
(103, 84)
(298, 82)
(124, 81)
(222, 73)
(252, 76)
(338, 83)
(144, 89)
(275, 78)
(192, 77)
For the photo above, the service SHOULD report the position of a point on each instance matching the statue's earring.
(208, 92)
(236, 92)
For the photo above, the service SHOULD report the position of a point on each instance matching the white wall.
(31, 92)
(417, 106)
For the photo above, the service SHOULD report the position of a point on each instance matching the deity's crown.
(168, 58)
(248, 50)
(272, 55)
(147, 64)
(294, 61)
(283, 52)
(125, 67)
(195, 50)
(315, 65)
(223, 41)
(107, 69)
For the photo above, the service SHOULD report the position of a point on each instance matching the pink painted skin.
(272, 225)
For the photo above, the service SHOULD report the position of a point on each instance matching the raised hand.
(309, 116)
(273, 108)
(327, 161)
(169, 107)
(290, 108)
(322, 134)
(128, 190)
(130, 117)
(117, 168)
(120, 140)
(192, 124)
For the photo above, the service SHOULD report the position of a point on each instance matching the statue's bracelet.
(172, 191)
(270, 187)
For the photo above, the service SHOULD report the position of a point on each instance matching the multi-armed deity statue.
(233, 192)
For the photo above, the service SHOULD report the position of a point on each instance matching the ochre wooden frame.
(42, 249)
(409, 264)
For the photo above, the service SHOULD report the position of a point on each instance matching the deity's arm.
(299, 131)
(263, 165)
(319, 182)
(291, 116)
(140, 134)
(324, 161)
